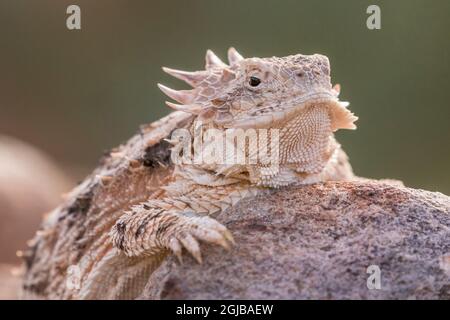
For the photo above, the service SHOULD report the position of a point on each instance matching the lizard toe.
(176, 248)
(191, 245)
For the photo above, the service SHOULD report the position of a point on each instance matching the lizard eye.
(254, 81)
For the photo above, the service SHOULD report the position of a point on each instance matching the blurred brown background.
(74, 94)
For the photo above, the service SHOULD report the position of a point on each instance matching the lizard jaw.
(340, 116)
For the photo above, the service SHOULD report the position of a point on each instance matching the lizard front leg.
(149, 230)
(172, 223)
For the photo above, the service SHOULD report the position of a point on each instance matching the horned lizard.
(141, 203)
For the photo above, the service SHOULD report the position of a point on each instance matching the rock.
(317, 241)
(30, 185)
(9, 282)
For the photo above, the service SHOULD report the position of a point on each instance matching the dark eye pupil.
(254, 81)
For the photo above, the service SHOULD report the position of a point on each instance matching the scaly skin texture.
(140, 204)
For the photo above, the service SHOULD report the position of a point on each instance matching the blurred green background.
(76, 93)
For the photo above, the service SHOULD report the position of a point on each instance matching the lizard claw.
(200, 229)
(192, 246)
(213, 237)
(176, 248)
(229, 237)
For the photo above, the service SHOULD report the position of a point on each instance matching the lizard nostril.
(300, 74)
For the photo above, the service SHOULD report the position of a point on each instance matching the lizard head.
(259, 92)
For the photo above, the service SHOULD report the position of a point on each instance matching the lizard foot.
(197, 228)
(147, 231)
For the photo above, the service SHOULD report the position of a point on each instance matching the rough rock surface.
(316, 242)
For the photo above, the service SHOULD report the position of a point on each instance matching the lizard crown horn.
(187, 98)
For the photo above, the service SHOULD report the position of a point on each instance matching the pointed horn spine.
(192, 108)
(234, 57)
(191, 78)
(213, 61)
(182, 96)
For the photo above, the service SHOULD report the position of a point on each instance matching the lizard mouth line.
(341, 117)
